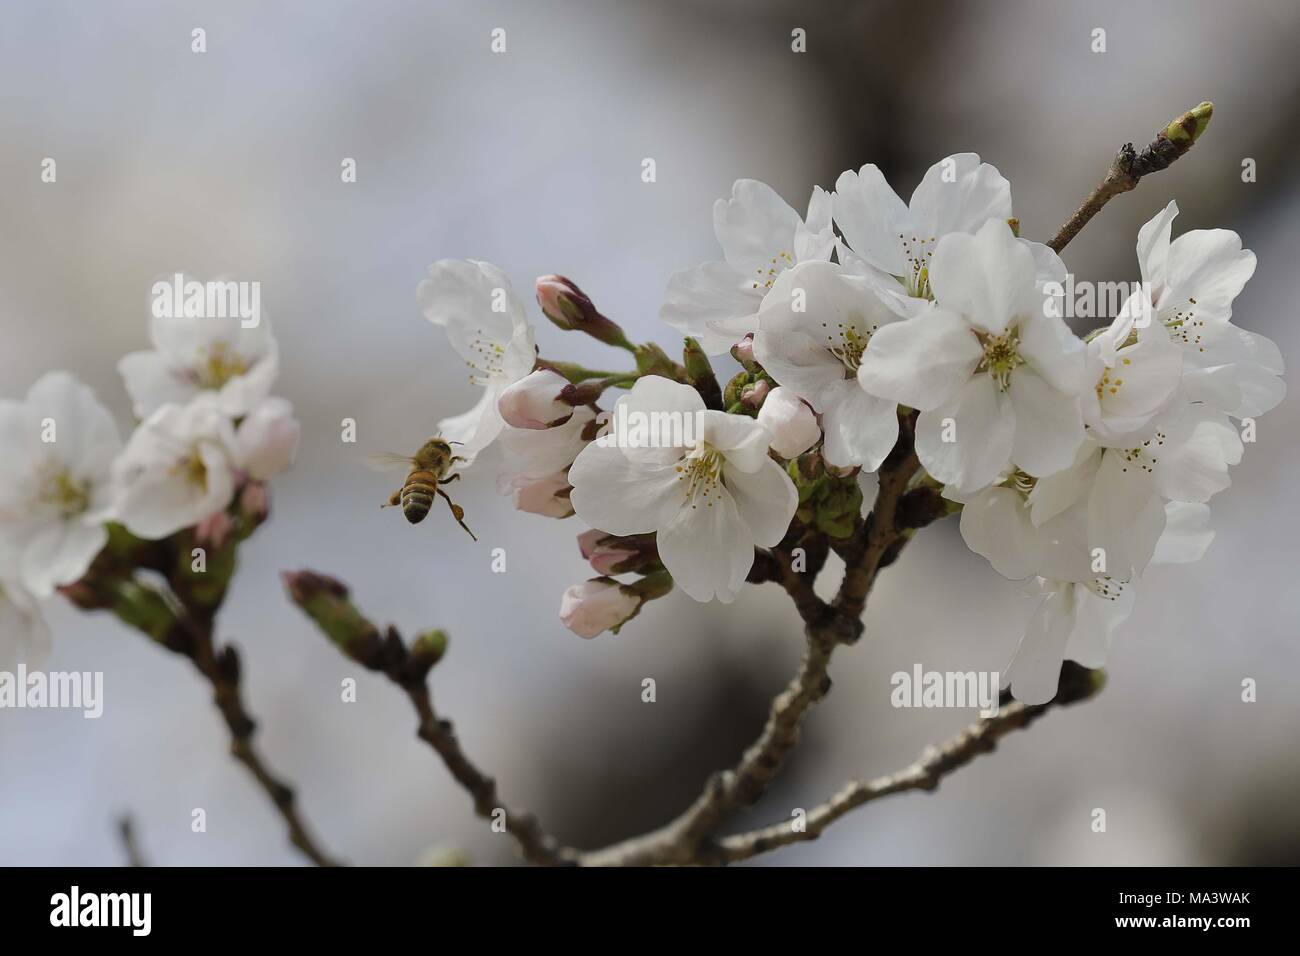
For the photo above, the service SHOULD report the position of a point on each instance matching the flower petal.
(1049, 424)
(959, 194)
(921, 362)
(707, 548)
(987, 278)
(983, 430)
(861, 429)
(765, 499)
(618, 495)
(872, 217)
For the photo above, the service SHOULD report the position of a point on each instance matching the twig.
(126, 833)
(1077, 683)
(1129, 166)
(535, 844)
(222, 669)
(326, 601)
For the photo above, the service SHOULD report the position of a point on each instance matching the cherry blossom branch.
(1129, 166)
(182, 620)
(688, 839)
(926, 773)
(326, 601)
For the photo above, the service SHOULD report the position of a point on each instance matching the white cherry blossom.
(55, 487)
(266, 441)
(192, 356)
(535, 472)
(997, 380)
(485, 324)
(1193, 281)
(1073, 621)
(1136, 378)
(177, 469)
(709, 490)
(815, 328)
(761, 237)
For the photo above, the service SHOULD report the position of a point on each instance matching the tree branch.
(1129, 166)
(687, 839)
(326, 601)
(221, 666)
(1077, 684)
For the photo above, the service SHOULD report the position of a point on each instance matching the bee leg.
(456, 458)
(458, 513)
(447, 481)
(394, 500)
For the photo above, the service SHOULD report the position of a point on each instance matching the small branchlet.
(1129, 166)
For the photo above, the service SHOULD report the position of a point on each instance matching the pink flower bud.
(534, 401)
(213, 530)
(547, 496)
(267, 439)
(791, 423)
(604, 551)
(596, 606)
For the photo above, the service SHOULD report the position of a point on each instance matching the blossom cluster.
(208, 433)
(1075, 461)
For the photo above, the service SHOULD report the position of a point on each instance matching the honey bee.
(429, 469)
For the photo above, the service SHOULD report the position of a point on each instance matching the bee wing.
(387, 461)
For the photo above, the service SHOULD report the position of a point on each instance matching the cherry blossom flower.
(266, 441)
(1136, 378)
(197, 355)
(1125, 489)
(537, 461)
(995, 377)
(761, 237)
(177, 469)
(55, 488)
(1074, 621)
(709, 490)
(486, 326)
(816, 325)
(1193, 281)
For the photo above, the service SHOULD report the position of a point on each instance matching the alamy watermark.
(1085, 299)
(632, 428)
(65, 690)
(922, 688)
(216, 299)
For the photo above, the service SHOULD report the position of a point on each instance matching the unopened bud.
(1188, 127)
(325, 601)
(570, 308)
(598, 605)
(699, 374)
(743, 352)
(615, 554)
(426, 650)
(791, 423)
(535, 401)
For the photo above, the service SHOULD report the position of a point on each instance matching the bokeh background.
(228, 163)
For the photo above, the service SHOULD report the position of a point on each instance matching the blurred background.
(227, 163)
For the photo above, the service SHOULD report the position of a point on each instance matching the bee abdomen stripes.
(417, 495)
